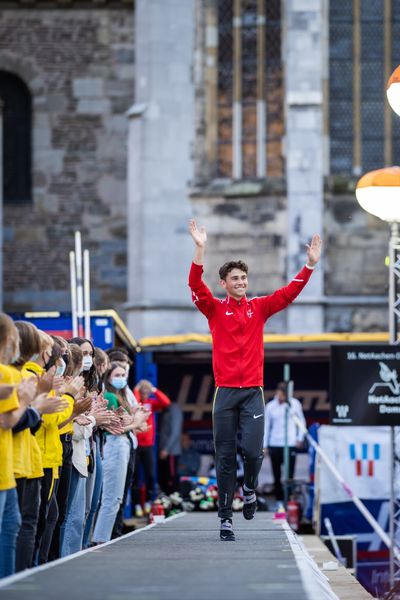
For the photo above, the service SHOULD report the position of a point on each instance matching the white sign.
(362, 456)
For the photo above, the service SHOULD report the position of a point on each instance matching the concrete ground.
(183, 558)
(342, 582)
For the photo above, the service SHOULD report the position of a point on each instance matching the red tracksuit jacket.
(159, 401)
(237, 328)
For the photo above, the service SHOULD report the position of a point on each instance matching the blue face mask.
(118, 382)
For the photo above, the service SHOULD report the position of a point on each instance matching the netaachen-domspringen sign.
(365, 385)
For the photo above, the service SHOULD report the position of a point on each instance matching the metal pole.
(261, 104)
(286, 377)
(237, 91)
(392, 511)
(72, 272)
(79, 286)
(394, 302)
(394, 275)
(86, 288)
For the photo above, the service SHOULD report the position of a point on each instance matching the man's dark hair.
(282, 387)
(119, 356)
(229, 266)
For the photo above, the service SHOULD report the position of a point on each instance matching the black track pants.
(277, 457)
(29, 502)
(234, 409)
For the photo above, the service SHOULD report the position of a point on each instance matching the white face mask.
(16, 353)
(61, 368)
(87, 363)
(15, 357)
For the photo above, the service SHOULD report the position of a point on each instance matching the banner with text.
(365, 386)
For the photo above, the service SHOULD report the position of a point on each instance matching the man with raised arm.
(237, 325)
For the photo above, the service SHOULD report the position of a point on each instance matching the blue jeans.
(10, 524)
(116, 457)
(3, 496)
(94, 503)
(72, 528)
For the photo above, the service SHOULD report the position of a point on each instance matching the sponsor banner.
(365, 385)
(374, 576)
(346, 519)
(372, 566)
(362, 457)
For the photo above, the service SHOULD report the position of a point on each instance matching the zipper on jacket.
(241, 346)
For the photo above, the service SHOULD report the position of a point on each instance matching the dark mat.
(181, 559)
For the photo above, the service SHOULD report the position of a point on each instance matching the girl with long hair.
(116, 451)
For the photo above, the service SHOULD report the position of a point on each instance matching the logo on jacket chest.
(230, 313)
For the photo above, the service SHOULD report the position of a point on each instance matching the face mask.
(61, 368)
(34, 357)
(118, 382)
(16, 354)
(87, 363)
(15, 357)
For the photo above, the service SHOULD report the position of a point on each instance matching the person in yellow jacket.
(27, 457)
(65, 432)
(48, 438)
(12, 407)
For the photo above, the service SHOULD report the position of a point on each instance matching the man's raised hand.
(199, 235)
(314, 250)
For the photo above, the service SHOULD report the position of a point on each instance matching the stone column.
(305, 44)
(160, 166)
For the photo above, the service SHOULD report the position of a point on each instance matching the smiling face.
(235, 284)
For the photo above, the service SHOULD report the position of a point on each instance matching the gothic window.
(249, 93)
(364, 50)
(17, 132)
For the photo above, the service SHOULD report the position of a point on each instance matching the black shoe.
(249, 508)
(226, 532)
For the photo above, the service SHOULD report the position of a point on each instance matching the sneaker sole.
(250, 516)
(227, 539)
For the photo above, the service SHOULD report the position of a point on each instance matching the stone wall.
(79, 65)
(356, 245)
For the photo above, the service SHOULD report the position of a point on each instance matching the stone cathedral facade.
(255, 116)
(66, 80)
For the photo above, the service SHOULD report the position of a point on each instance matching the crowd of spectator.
(71, 430)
